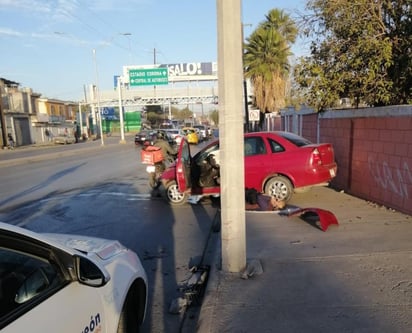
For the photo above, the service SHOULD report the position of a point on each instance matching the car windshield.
(205, 153)
(295, 139)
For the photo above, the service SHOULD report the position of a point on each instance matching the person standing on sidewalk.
(11, 141)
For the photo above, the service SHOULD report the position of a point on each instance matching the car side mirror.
(89, 273)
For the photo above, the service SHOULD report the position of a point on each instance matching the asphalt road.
(103, 191)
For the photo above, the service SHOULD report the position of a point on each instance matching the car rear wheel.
(174, 196)
(279, 187)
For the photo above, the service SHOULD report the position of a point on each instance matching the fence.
(373, 149)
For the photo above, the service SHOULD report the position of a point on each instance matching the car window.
(254, 146)
(185, 153)
(275, 146)
(23, 279)
(295, 139)
(202, 155)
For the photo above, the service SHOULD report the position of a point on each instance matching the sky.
(47, 45)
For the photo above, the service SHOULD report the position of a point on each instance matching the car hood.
(103, 248)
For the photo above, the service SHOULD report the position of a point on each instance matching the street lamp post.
(98, 97)
(128, 34)
(119, 88)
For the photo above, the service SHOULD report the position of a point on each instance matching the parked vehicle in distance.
(172, 132)
(276, 163)
(64, 139)
(177, 135)
(142, 136)
(145, 136)
(167, 135)
(203, 132)
(191, 135)
(87, 284)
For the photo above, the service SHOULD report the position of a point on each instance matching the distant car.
(276, 163)
(203, 132)
(176, 134)
(64, 139)
(68, 283)
(191, 135)
(172, 132)
(145, 137)
(142, 136)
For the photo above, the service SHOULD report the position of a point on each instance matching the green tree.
(398, 22)
(182, 114)
(214, 117)
(352, 54)
(266, 59)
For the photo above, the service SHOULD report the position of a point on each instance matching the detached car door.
(39, 291)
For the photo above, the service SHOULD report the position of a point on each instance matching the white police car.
(68, 283)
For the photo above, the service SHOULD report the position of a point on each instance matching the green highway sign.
(148, 77)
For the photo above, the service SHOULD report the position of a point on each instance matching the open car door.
(183, 165)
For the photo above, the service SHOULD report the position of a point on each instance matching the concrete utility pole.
(230, 76)
(3, 123)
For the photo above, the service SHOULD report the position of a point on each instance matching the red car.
(276, 163)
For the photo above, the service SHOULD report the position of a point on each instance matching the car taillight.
(315, 158)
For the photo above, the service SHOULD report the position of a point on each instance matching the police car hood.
(103, 248)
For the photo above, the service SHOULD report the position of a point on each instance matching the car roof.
(293, 138)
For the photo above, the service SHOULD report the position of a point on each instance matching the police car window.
(23, 278)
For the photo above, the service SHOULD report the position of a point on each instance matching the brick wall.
(373, 149)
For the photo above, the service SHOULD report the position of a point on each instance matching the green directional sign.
(148, 77)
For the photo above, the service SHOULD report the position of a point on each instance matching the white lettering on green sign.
(141, 77)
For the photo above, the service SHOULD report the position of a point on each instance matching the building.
(53, 117)
(27, 116)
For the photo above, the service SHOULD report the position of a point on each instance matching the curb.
(207, 309)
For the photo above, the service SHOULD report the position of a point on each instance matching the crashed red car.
(276, 163)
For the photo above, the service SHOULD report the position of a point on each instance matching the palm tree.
(266, 59)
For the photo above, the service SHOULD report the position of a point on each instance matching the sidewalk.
(48, 150)
(355, 277)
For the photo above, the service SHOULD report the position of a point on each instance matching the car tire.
(173, 195)
(130, 317)
(279, 187)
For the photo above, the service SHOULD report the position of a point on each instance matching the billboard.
(191, 71)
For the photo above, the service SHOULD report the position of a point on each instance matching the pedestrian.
(261, 202)
(47, 133)
(11, 141)
(76, 136)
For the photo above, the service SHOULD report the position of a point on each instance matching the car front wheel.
(279, 187)
(174, 196)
